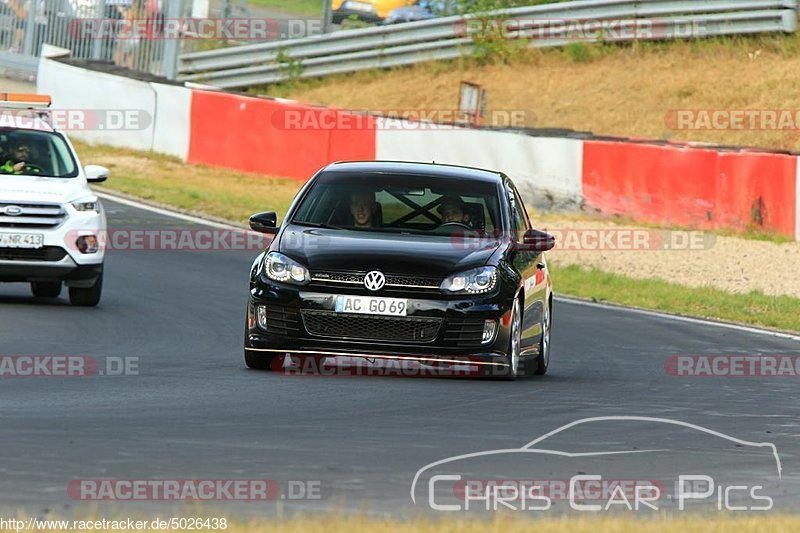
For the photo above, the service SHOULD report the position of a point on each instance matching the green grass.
(200, 189)
(299, 7)
(755, 308)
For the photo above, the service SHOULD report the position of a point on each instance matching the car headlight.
(278, 267)
(476, 281)
(90, 203)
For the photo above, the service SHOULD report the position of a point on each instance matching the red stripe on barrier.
(249, 134)
(694, 187)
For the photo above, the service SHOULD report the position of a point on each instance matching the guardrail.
(448, 37)
(85, 29)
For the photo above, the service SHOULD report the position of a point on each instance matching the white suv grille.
(31, 215)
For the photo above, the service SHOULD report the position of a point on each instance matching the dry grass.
(611, 90)
(505, 525)
(762, 524)
(222, 193)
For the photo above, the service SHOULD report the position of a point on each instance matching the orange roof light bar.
(33, 100)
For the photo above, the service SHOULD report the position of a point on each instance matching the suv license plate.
(21, 240)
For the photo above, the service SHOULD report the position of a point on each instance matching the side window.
(519, 219)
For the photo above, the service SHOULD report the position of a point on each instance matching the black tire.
(87, 297)
(46, 289)
(516, 364)
(542, 360)
(261, 361)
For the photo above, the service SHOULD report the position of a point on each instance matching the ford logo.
(13, 210)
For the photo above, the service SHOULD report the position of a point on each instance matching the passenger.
(453, 210)
(364, 209)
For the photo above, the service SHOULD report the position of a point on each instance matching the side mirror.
(265, 222)
(95, 173)
(535, 240)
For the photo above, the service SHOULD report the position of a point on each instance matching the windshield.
(35, 153)
(401, 204)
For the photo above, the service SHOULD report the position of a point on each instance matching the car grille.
(371, 328)
(38, 215)
(48, 253)
(464, 333)
(393, 281)
(282, 320)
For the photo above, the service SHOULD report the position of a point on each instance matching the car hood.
(24, 189)
(346, 250)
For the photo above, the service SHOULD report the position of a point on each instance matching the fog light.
(87, 244)
(261, 316)
(489, 328)
(251, 319)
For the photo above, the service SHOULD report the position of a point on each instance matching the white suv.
(51, 223)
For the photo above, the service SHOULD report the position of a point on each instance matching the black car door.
(531, 266)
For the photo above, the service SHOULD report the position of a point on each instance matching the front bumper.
(59, 258)
(293, 314)
(64, 270)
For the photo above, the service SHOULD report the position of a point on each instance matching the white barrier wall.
(74, 88)
(547, 170)
(162, 112)
(173, 120)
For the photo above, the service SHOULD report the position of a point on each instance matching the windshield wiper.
(320, 225)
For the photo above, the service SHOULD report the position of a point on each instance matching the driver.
(453, 210)
(363, 208)
(19, 162)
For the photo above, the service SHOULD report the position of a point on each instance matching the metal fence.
(444, 38)
(90, 29)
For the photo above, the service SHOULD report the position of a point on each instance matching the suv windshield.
(401, 204)
(35, 153)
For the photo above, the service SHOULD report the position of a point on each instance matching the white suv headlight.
(90, 203)
(278, 267)
(476, 281)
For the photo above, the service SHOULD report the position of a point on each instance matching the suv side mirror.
(95, 173)
(265, 222)
(535, 240)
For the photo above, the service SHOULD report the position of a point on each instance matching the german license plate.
(371, 305)
(359, 6)
(21, 240)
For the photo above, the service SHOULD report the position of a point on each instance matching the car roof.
(434, 170)
(24, 120)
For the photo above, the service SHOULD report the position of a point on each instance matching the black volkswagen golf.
(431, 263)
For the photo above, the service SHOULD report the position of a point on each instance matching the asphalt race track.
(195, 412)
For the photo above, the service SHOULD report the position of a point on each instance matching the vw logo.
(374, 280)
(13, 210)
